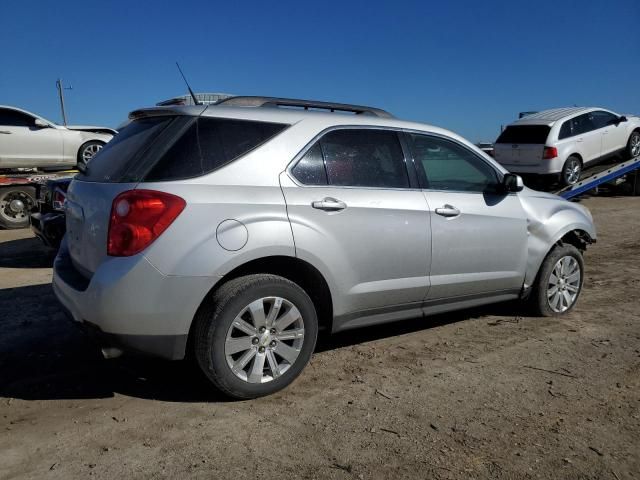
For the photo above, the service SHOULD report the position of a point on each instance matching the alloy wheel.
(90, 151)
(635, 145)
(564, 284)
(264, 340)
(572, 171)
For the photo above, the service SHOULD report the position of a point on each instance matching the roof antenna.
(193, 95)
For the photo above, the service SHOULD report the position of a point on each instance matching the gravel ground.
(484, 393)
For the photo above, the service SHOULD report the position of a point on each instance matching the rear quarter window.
(565, 130)
(524, 134)
(210, 143)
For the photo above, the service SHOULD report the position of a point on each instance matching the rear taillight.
(138, 217)
(549, 153)
(58, 199)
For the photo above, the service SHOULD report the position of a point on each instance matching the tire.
(571, 171)
(88, 150)
(633, 145)
(216, 336)
(542, 302)
(16, 204)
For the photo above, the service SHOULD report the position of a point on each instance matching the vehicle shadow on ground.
(26, 253)
(43, 356)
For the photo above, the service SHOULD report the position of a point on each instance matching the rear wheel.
(633, 145)
(88, 150)
(16, 204)
(571, 171)
(255, 335)
(559, 282)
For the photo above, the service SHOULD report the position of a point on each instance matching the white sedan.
(28, 140)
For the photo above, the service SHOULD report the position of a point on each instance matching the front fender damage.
(550, 221)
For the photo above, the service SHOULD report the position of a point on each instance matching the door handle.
(5, 132)
(579, 140)
(448, 211)
(329, 204)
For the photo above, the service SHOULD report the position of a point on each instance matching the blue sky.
(465, 65)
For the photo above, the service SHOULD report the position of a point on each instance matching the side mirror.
(41, 123)
(512, 183)
(622, 118)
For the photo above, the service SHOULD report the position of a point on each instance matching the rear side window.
(525, 134)
(355, 158)
(565, 130)
(210, 143)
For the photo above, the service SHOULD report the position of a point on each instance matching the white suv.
(562, 141)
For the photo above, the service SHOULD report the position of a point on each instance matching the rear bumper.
(129, 304)
(171, 347)
(547, 168)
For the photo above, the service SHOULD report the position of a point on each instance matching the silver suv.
(559, 143)
(237, 231)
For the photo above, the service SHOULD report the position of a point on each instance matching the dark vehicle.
(486, 147)
(48, 221)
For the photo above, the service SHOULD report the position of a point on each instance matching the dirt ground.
(483, 393)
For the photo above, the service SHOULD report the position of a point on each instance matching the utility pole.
(61, 89)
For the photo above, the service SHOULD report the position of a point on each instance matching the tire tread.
(213, 308)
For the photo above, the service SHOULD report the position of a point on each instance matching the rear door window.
(354, 158)
(210, 143)
(525, 134)
(583, 124)
(364, 158)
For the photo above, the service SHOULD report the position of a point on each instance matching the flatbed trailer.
(19, 192)
(628, 171)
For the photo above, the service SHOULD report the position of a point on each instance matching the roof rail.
(251, 101)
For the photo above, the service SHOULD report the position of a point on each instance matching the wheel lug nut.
(262, 329)
(273, 331)
(272, 344)
(255, 340)
(261, 349)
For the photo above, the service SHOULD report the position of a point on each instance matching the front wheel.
(571, 171)
(255, 335)
(559, 282)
